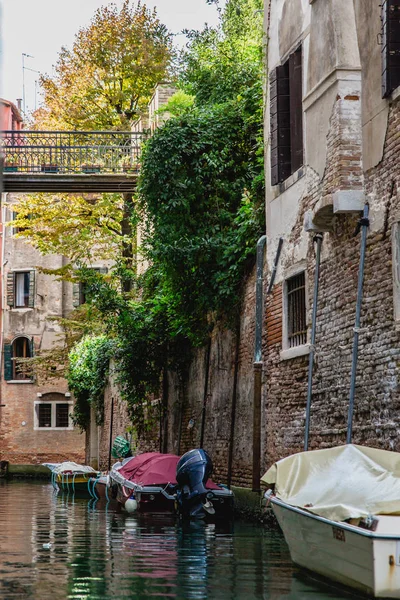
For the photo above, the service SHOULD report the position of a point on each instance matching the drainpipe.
(111, 432)
(364, 224)
(4, 197)
(318, 240)
(205, 396)
(234, 402)
(258, 365)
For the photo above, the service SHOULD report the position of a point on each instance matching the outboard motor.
(192, 472)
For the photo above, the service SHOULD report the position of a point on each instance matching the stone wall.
(186, 404)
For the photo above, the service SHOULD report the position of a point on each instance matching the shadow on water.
(61, 547)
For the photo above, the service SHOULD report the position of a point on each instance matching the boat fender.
(131, 504)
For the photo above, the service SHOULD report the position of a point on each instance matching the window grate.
(44, 415)
(62, 415)
(296, 307)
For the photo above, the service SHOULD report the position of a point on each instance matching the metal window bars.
(80, 152)
(296, 310)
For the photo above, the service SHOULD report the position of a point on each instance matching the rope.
(94, 487)
(107, 498)
(88, 486)
(73, 483)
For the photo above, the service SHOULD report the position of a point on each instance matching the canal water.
(55, 547)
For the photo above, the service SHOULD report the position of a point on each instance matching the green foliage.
(109, 74)
(87, 377)
(178, 104)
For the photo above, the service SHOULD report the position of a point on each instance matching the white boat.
(339, 510)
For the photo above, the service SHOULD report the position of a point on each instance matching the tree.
(110, 72)
(83, 228)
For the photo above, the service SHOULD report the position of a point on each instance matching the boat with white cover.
(339, 510)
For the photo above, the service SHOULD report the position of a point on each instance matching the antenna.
(24, 55)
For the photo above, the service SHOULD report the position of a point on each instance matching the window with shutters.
(296, 310)
(21, 347)
(390, 46)
(52, 415)
(21, 289)
(286, 107)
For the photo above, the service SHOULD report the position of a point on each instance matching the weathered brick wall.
(376, 414)
(186, 403)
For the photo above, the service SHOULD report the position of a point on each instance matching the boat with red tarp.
(165, 483)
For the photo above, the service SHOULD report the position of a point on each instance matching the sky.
(40, 27)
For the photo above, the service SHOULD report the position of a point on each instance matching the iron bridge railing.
(71, 151)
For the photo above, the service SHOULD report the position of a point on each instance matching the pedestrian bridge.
(70, 161)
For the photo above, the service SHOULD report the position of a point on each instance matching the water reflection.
(61, 547)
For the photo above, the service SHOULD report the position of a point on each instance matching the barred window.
(52, 415)
(296, 310)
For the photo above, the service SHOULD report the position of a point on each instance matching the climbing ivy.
(87, 377)
(200, 201)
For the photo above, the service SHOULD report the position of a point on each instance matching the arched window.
(21, 347)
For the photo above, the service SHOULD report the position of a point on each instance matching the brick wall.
(376, 414)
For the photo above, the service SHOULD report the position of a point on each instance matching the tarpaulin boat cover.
(346, 482)
(153, 468)
(71, 467)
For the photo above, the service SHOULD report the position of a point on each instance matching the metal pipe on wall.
(258, 365)
(233, 406)
(205, 396)
(111, 432)
(318, 240)
(364, 224)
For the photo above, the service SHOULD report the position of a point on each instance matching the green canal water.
(56, 547)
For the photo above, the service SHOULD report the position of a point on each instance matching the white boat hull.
(368, 561)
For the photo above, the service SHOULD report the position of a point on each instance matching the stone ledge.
(348, 201)
(295, 352)
(28, 471)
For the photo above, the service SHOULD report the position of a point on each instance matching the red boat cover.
(153, 468)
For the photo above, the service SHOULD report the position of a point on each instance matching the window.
(52, 414)
(286, 105)
(390, 46)
(78, 290)
(22, 347)
(21, 289)
(296, 310)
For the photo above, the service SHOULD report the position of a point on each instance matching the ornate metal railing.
(71, 151)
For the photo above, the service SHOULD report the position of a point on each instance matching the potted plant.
(129, 165)
(49, 168)
(91, 167)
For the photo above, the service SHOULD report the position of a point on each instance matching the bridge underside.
(74, 184)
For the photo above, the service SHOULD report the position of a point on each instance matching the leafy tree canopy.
(110, 72)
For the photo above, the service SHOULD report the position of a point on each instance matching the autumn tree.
(110, 72)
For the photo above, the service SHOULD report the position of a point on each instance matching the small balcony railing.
(82, 152)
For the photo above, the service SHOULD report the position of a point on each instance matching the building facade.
(35, 421)
(332, 149)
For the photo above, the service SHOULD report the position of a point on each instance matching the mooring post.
(318, 240)
(364, 224)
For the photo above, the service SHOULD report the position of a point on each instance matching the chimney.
(19, 104)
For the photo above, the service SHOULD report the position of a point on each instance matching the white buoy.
(131, 505)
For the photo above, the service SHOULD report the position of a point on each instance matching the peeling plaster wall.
(351, 143)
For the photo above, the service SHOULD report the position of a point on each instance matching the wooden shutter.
(31, 301)
(10, 288)
(280, 124)
(296, 109)
(31, 348)
(8, 362)
(390, 46)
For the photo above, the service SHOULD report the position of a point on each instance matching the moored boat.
(71, 478)
(339, 510)
(165, 483)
